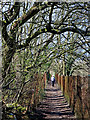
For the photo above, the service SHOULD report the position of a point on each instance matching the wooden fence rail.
(76, 90)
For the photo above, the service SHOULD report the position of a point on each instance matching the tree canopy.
(40, 35)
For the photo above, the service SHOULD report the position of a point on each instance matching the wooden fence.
(76, 90)
(38, 90)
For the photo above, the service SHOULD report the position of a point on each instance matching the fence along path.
(54, 104)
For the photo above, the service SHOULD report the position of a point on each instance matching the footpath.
(54, 106)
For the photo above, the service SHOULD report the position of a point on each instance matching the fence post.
(89, 93)
(63, 84)
(59, 80)
(56, 77)
(85, 97)
(70, 90)
(75, 92)
(67, 88)
(78, 105)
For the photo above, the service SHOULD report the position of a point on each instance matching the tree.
(35, 36)
(49, 24)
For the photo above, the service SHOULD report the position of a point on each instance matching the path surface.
(54, 105)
